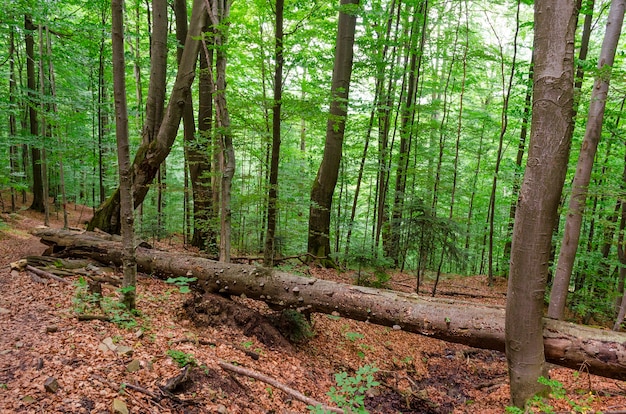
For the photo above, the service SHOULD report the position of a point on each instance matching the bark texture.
(540, 193)
(602, 352)
(326, 179)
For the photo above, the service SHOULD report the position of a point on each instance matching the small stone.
(133, 366)
(51, 328)
(51, 385)
(28, 399)
(222, 409)
(139, 334)
(124, 350)
(108, 343)
(4, 311)
(119, 407)
(396, 327)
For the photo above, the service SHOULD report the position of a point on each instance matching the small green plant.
(353, 336)
(349, 394)
(182, 283)
(86, 302)
(182, 358)
(557, 391)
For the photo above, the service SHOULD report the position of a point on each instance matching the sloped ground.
(41, 340)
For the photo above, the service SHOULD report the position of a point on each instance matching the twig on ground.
(290, 391)
(206, 342)
(117, 387)
(82, 317)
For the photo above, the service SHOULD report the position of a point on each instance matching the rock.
(119, 407)
(133, 366)
(51, 385)
(221, 409)
(28, 399)
(51, 328)
(124, 350)
(107, 344)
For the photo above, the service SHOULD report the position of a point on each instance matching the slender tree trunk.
(123, 156)
(35, 153)
(552, 122)
(326, 180)
(219, 11)
(593, 132)
(61, 145)
(407, 116)
(268, 256)
(44, 130)
(380, 77)
(201, 152)
(506, 93)
(621, 254)
(13, 151)
(102, 110)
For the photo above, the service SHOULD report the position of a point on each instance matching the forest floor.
(50, 362)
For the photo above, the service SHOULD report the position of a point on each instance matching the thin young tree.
(127, 212)
(580, 185)
(328, 172)
(219, 11)
(540, 193)
(268, 256)
(504, 117)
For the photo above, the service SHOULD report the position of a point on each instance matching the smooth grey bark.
(129, 263)
(584, 166)
(540, 193)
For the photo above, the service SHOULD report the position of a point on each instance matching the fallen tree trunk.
(601, 352)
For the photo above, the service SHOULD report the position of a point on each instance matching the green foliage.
(88, 303)
(350, 391)
(182, 282)
(363, 259)
(353, 336)
(539, 404)
(182, 358)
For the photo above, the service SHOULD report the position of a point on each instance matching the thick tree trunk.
(566, 344)
(324, 185)
(540, 194)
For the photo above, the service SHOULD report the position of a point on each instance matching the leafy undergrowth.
(41, 340)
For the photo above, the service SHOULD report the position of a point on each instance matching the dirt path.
(41, 340)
